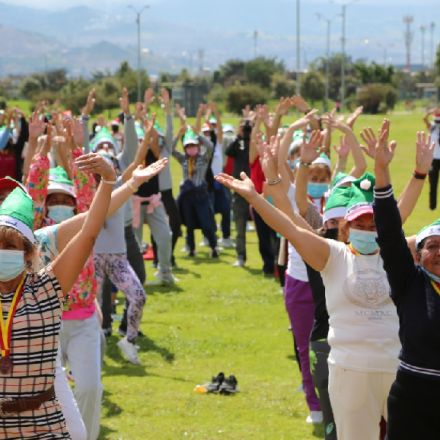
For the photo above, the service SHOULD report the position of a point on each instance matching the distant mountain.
(173, 31)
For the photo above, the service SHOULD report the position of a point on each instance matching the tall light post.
(423, 30)
(138, 22)
(298, 51)
(327, 62)
(432, 27)
(344, 8)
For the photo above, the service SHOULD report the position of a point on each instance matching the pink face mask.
(192, 151)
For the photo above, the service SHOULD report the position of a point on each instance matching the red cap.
(10, 183)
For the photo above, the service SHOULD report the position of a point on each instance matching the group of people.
(73, 203)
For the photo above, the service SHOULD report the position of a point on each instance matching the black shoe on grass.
(216, 383)
(229, 386)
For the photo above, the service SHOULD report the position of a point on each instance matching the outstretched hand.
(344, 147)
(298, 102)
(125, 102)
(96, 164)
(384, 152)
(368, 136)
(148, 97)
(90, 103)
(424, 153)
(141, 174)
(312, 148)
(244, 187)
(36, 125)
(269, 155)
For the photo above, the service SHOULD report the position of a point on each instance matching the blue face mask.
(316, 190)
(431, 275)
(59, 213)
(364, 241)
(11, 264)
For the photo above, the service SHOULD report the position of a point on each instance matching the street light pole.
(327, 63)
(138, 22)
(298, 52)
(432, 44)
(422, 30)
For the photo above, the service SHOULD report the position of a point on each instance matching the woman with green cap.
(31, 304)
(363, 321)
(413, 402)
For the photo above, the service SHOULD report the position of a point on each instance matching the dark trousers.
(170, 205)
(134, 256)
(240, 207)
(221, 205)
(319, 351)
(413, 408)
(433, 183)
(197, 210)
(266, 237)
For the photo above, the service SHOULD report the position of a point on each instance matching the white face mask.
(11, 264)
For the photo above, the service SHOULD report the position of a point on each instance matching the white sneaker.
(314, 417)
(166, 277)
(205, 242)
(226, 242)
(130, 350)
(185, 248)
(238, 263)
(249, 227)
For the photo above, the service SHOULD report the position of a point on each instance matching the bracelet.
(418, 175)
(275, 181)
(109, 182)
(132, 187)
(306, 164)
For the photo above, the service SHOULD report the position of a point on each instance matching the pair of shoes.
(166, 277)
(221, 384)
(315, 417)
(185, 248)
(192, 254)
(214, 253)
(226, 242)
(130, 350)
(107, 332)
(205, 242)
(239, 263)
(122, 331)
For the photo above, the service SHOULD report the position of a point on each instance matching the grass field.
(219, 318)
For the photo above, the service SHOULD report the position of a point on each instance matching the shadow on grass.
(163, 289)
(145, 343)
(319, 430)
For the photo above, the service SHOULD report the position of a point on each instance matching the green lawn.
(219, 318)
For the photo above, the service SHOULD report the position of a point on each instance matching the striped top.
(34, 345)
(195, 171)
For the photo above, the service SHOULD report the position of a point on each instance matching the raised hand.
(368, 136)
(68, 136)
(181, 112)
(384, 152)
(298, 102)
(311, 150)
(424, 153)
(344, 147)
(284, 106)
(141, 174)
(333, 123)
(182, 130)
(125, 102)
(352, 118)
(90, 103)
(77, 131)
(96, 164)
(148, 97)
(244, 187)
(46, 143)
(164, 96)
(148, 126)
(246, 112)
(269, 155)
(36, 125)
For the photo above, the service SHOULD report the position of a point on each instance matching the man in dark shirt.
(238, 149)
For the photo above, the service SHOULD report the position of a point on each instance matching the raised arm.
(410, 195)
(310, 151)
(200, 112)
(85, 118)
(216, 113)
(69, 264)
(130, 137)
(394, 250)
(178, 155)
(313, 249)
(426, 118)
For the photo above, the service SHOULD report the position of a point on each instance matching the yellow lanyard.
(436, 287)
(6, 328)
(353, 250)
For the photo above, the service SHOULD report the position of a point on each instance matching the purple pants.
(301, 309)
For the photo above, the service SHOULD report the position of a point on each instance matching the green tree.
(260, 70)
(313, 86)
(238, 96)
(185, 77)
(129, 78)
(230, 72)
(374, 73)
(282, 86)
(30, 87)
